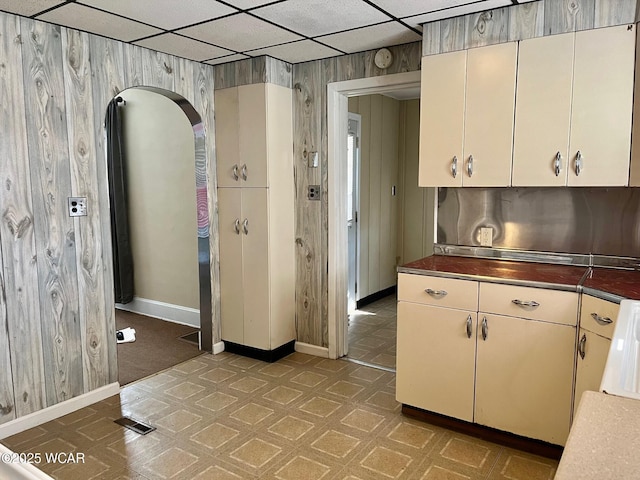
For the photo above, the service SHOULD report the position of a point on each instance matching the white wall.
(162, 199)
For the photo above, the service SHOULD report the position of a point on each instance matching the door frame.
(337, 116)
(356, 197)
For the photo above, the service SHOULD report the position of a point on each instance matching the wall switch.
(313, 192)
(77, 206)
(486, 236)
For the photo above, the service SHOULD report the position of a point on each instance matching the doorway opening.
(168, 299)
(338, 199)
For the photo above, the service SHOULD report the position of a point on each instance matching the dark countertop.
(621, 283)
(608, 283)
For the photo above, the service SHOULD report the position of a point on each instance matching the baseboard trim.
(164, 311)
(536, 447)
(260, 354)
(218, 348)
(58, 410)
(312, 349)
(17, 470)
(374, 297)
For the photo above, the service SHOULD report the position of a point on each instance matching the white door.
(353, 160)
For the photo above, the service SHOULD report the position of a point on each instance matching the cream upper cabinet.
(524, 376)
(249, 133)
(603, 76)
(466, 117)
(543, 111)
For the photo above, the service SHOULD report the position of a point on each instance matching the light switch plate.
(77, 206)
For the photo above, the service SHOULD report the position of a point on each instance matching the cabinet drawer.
(528, 302)
(438, 291)
(598, 316)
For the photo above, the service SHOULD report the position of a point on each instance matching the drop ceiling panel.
(297, 52)
(167, 14)
(27, 7)
(319, 17)
(90, 20)
(240, 32)
(367, 38)
(457, 11)
(229, 58)
(407, 8)
(183, 47)
(244, 4)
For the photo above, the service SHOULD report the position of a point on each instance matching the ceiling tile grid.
(220, 31)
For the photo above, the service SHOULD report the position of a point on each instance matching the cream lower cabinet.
(256, 287)
(524, 376)
(436, 359)
(597, 322)
(506, 364)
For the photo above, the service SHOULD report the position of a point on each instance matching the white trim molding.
(337, 114)
(19, 470)
(218, 347)
(164, 311)
(58, 410)
(314, 350)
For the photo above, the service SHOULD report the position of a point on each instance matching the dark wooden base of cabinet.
(259, 354)
(374, 297)
(536, 447)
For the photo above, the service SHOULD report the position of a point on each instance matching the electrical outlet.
(486, 236)
(77, 206)
(313, 192)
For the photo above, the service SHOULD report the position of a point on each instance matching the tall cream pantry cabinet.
(254, 152)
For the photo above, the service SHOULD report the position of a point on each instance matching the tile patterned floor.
(372, 333)
(227, 417)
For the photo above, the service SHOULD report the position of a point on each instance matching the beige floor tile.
(291, 428)
(276, 370)
(217, 401)
(387, 462)
(87, 468)
(184, 390)
(248, 384)
(514, 465)
(282, 395)
(363, 420)
(190, 368)
(256, 453)
(170, 464)
(252, 413)
(215, 436)
(413, 435)
(336, 444)
(384, 400)
(308, 379)
(177, 421)
(218, 472)
(436, 472)
(320, 407)
(344, 389)
(217, 374)
(302, 468)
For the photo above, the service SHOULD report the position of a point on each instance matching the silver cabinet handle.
(244, 172)
(469, 326)
(601, 320)
(454, 167)
(526, 304)
(470, 165)
(578, 163)
(245, 226)
(436, 293)
(557, 164)
(581, 346)
(236, 177)
(237, 226)
(485, 329)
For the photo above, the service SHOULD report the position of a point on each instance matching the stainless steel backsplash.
(601, 221)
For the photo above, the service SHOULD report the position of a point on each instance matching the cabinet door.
(442, 119)
(435, 359)
(255, 268)
(227, 127)
(590, 368)
(252, 135)
(231, 288)
(524, 377)
(602, 106)
(543, 111)
(489, 111)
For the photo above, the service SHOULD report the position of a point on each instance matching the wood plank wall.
(527, 20)
(57, 320)
(253, 70)
(310, 79)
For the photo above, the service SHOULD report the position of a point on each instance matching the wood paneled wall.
(57, 326)
(253, 70)
(378, 210)
(527, 20)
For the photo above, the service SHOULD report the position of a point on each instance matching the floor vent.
(137, 427)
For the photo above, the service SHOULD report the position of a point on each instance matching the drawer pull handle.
(236, 177)
(581, 345)
(524, 304)
(436, 293)
(601, 320)
(469, 326)
(485, 329)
